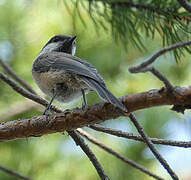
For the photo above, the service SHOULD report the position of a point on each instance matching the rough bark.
(73, 119)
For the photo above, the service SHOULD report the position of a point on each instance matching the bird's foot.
(47, 113)
(84, 106)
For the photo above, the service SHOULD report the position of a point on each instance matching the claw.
(47, 113)
(84, 106)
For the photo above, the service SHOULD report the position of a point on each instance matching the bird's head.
(61, 43)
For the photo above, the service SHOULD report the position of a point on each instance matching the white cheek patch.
(73, 49)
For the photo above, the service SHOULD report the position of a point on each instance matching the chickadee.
(65, 77)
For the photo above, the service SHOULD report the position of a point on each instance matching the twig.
(79, 141)
(185, 144)
(152, 148)
(121, 157)
(9, 71)
(185, 5)
(144, 67)
(25, 93)
(137, 69)
(160, 76)
(14, 173)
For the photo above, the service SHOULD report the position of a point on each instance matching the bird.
(64, 77)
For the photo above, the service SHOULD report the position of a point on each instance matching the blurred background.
(25, 26)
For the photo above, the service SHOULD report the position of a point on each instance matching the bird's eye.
(56, 39)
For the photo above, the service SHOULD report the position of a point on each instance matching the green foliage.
(131, 20)
(27, 25)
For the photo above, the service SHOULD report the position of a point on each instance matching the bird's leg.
(59, 88)
(47, 110)
(84, 104)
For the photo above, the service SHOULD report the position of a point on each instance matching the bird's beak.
(72, 39)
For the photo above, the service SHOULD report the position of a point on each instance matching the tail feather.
(104, 93)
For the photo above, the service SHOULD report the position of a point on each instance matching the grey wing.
(67, 63)
(42, 64)
(74, 67)
(93, 69)
(88, 65)
(85, 63)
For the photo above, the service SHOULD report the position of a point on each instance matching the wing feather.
(68, 63)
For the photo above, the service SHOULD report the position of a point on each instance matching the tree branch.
(139, 68)
(74, 135)
(72, 119)
(79, 141)
(26, 93)
(121, 157)
(32, 95)
(152, 148)
(160, 76)
(9, 71)
(14, 173)
(118, 133)
(145, 66)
